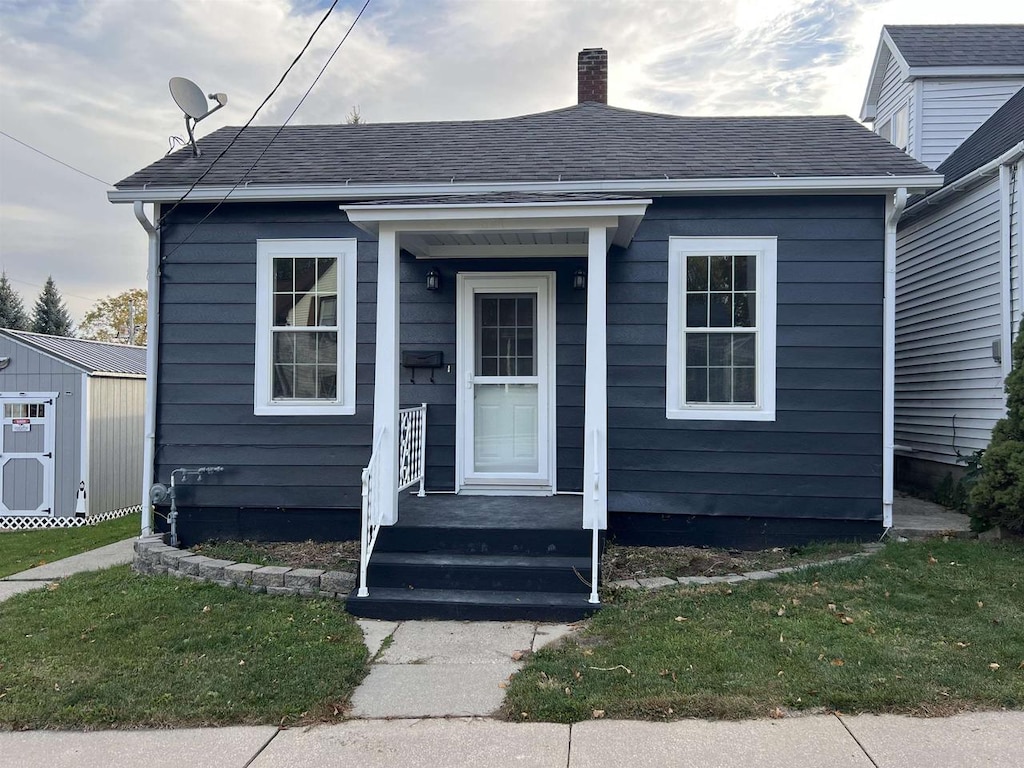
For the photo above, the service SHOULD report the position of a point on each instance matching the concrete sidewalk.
(990, 739)
(118, 553)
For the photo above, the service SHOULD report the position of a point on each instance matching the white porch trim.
(385, 379)
(595, 419)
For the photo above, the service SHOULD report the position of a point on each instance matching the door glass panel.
(505, 418)
(506, 327)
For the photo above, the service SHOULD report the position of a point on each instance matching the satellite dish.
(192, 101)
(189, 97)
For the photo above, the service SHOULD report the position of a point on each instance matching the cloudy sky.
(86, 82)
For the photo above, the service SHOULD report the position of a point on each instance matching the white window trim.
(344, 250)
(765, 249)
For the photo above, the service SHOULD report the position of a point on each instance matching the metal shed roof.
(92, 357)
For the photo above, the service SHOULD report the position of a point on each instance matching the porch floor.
(449, 510)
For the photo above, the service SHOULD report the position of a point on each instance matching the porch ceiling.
(439, 230)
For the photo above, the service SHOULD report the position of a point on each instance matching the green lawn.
(113, 649)
(923, 628)
(21, 550)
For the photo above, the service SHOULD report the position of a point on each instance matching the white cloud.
(86, 81)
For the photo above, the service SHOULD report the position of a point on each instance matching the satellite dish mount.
(190, 99)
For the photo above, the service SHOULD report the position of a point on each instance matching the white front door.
(505, 410)
(26, 453)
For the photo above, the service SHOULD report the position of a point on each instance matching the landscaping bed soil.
(618, 562)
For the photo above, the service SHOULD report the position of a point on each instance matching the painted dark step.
(515, 573)
(485, 541)
(473, 605)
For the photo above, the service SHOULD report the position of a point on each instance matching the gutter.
(647, 187)
(991, 168)
(152, 342)
(893, 210)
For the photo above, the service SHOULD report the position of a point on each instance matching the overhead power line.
(238, 135)
(51, 157)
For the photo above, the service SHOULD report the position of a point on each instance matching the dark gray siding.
(207, 356)
(822, 456)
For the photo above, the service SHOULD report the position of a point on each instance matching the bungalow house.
(952, 96)
(674, 329)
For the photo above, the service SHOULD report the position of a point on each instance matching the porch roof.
(501, 225)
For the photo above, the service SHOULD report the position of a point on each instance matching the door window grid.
(24, 410)
(505, 334)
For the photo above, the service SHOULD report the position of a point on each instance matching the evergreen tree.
(12, 308)
(50, 315)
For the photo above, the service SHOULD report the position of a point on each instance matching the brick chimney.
(592, 75)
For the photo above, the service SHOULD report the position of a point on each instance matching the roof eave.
(654, 187)
(914, 73)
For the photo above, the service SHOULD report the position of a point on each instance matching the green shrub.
(998, 496)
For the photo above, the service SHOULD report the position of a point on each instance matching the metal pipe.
(152, 342)
(893, 210)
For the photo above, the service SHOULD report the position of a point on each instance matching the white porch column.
(385, 379)
(595, 421)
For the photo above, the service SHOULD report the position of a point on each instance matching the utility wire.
(238, 135)
(51, 157)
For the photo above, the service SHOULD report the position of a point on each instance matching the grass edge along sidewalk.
(925, 628)
(21, 550)
(114, 650)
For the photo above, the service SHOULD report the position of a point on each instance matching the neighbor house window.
(305, 326)
(721, 328)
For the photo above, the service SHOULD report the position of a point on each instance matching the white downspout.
(152, 341)
(893, 210)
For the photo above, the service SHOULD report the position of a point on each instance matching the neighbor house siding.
(116, 408)
(207, 358)
(948, 387)
(822, 457)
(895, 94)
(951, 110)
(33, 371)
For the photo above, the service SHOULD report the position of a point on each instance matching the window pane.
(328, 311)
(719, 385)
(744, 310)
(696, 310)
(488, 310)
(696, 349)
(721, 310)
(305, 365)
(507, 311)
(720, 349)
(696, 385)
(489, 341)
(283, 275)
(746, 277)
(744, 349)
(696, 273)
(327, 275)
(488, 366)
(721, 273)
(743, 390)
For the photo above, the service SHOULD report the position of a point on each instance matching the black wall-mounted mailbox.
(414, 359)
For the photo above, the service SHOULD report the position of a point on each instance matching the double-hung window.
(305, 326)
(721, 328)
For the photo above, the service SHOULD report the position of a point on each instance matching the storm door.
(26, 454)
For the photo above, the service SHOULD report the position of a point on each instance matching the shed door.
(26, 454)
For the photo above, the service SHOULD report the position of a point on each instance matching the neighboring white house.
(952, 97)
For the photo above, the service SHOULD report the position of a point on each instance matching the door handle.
(469, 382)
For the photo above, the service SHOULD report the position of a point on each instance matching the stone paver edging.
(659, 582)
(154, 556)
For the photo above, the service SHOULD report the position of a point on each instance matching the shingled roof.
(585, 142)
(93, 357)
(959, 45)
(998, 134)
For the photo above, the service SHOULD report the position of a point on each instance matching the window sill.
(304, 409)
(718, 414)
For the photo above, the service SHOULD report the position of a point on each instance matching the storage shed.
(71, 443)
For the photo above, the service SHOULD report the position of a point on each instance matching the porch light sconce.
(433, 280)
(579, 280)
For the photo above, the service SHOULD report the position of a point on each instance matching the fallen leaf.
(503, 685)
(837, 662)
(981, 604)
(844, 619)
(932, 560)
(993, 666)
(962, 645)
(207, 609)
(517, 655)
(681, 618)
(598, 713)
(776, 714)
(832, 607)
(568, 691)
(241, 662)
(781, 612)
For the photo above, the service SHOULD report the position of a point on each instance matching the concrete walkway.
(444, 668)
(914, 518)
(118, 553)
(990, 739)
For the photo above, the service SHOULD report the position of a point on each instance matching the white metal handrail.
(412, 447)
(369, 528)
(594, 568)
